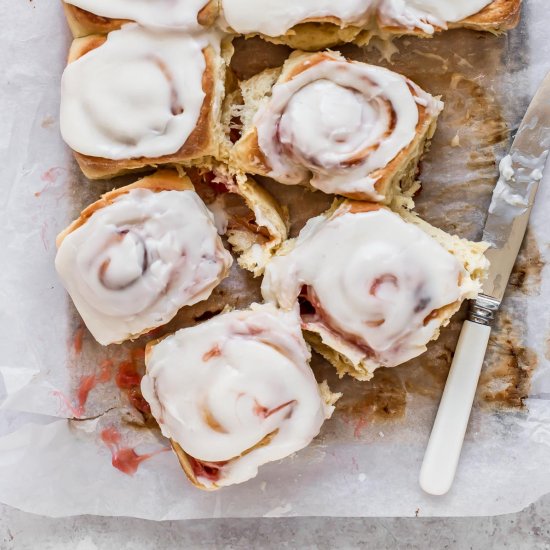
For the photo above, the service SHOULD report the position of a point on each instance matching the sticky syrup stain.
(129, 373)
(77, 339)
(50, 177)
(506, 377)
(527, 274)
(125, 459)
(86, 384)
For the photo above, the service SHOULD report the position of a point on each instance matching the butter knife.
(513, 198)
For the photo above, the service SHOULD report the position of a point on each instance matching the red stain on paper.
(105, 371)
(77, 339)
(50, 177)
(128, 379)
(125, 459)
(360, 425)
(85, 386)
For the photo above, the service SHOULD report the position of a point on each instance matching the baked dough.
(139, 254)
(325, 24)
(341, 126)
(374, 285)
(234, 393)
(140, 97)
(253, 221)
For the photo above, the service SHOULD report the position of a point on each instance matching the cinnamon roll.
(141, 97)
(252, 220)
(316, 24)
(234, 393)
(138, 255)
(102, 16)
(340, 126)
(374, 287)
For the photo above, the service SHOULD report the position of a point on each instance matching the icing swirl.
(181, 14)
(244, 395)
(135, 262)
(371, 285)
(139, 94)
(337, 124)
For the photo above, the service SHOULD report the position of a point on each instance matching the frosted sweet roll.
(374, 287)
(141, 97)
(340, 126)
(234, 393)
(138, 255)
(315, 24)
(101, 16)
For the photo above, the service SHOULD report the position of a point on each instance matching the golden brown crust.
(83, 23)
(498, 16)
(186, 466)
(162, 180)
(202, 142)
(326, 32)
(246, 155)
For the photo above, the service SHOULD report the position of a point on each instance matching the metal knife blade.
(514, 194)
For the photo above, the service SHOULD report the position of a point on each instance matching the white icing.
(333, 120)
(513, 189)
(276, 18)
(427, 14)
(162, 13)
(376, 279)
(137, 95)
(211, 386)
(137, 261)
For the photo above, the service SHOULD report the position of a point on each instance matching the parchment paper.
(367, 458)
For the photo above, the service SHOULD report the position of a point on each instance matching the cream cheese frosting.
(162, 13)
(427, 15)
(376, 283)
(340, 121)
(134, 263)
(242, 378)
(139, 94)
(276, 18)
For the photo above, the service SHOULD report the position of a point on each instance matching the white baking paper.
(362, 464)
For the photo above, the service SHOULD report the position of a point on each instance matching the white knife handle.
(443, 451)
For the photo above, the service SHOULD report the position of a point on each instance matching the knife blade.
(520, 173)
(513, 197)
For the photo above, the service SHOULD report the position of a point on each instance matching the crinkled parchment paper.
(367, 459)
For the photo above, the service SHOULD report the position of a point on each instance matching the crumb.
(455, 142)
(362, 477)
(381, 434)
